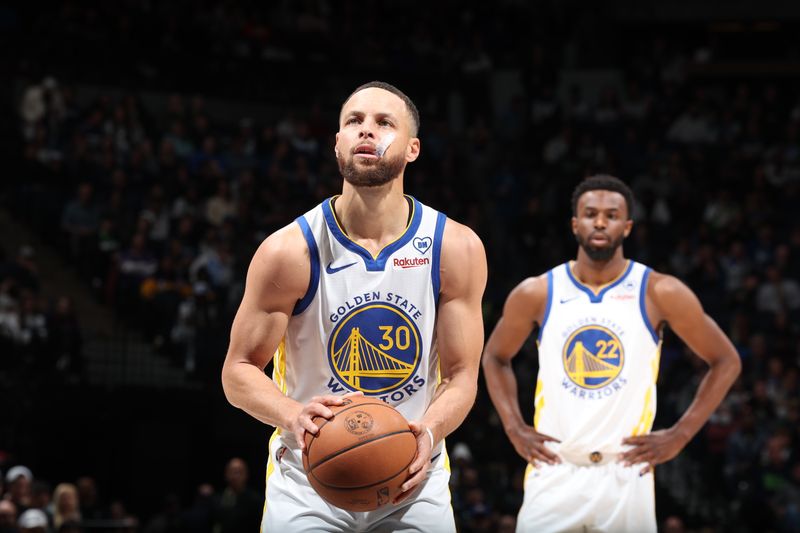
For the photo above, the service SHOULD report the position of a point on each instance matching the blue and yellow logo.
(374, 349)
(593, 357)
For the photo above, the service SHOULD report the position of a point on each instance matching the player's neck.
(373, 216)
(598, 273)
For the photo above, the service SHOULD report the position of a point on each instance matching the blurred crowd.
(40, 337)
(159, 212)
(31, 505)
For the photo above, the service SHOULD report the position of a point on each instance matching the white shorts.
(607, 497)
(292, 505)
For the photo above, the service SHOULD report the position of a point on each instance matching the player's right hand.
(529, 444)
(318, 406)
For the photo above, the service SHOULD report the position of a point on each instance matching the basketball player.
(600, 319)
(372, 293)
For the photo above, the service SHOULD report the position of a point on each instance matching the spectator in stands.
(66, 506)
(238, 507)
(198, 518)
(90, 508)
(33, 334)
(79, 222)
(778, 294)
(8, 516)
(220, 206)
(123, 520)
(134, 264)
(66, 339)
(18, 482)
(23, 271)
(33, 521)
(41, 498)
(168, 518)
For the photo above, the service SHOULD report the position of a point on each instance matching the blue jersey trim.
(598, 297)
(548, 306)
(373, 264)
(643, 307)
(313, 254)
(438, 233)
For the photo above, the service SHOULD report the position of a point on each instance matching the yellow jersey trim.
(645, 423)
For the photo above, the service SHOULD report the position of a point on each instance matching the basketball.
(359, 458)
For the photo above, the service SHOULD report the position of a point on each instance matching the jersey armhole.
(643, 306)
(441, 218)
(313, 254)
(548, 305)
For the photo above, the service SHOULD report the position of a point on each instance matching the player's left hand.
(418, 468)
(655, 448)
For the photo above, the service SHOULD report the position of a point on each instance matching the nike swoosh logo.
(565, 300)
(333, 270)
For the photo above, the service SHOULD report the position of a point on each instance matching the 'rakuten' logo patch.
(410, 262)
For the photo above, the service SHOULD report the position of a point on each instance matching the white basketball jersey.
(598, 362)
(367, 323)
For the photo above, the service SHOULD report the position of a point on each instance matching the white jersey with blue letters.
(366, 323)
(598, 364)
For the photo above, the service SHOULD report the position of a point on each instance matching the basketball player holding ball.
(369, 293)
(600, 318)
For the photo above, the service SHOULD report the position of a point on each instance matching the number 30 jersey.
(598, 362)
(366, 323)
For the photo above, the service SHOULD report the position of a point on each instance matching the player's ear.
(628, 227)
(412, 149)
(574, 225)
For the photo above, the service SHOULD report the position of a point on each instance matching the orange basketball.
(360, 457)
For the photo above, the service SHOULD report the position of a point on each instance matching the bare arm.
(460, 329)
(673, 302)
(460, 338)
(277, 278)
(524, 308)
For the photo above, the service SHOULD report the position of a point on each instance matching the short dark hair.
(603, 182)
(412, 109)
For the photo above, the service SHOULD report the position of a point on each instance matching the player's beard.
(601, 253)
(377, 173)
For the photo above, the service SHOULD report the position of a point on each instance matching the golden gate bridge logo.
(593, 357)
(374, 349)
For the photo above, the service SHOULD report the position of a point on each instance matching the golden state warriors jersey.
(366, 323)
(598, 363)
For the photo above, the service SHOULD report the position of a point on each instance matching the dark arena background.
(149, 147)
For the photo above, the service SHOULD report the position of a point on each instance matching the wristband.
(430, 434)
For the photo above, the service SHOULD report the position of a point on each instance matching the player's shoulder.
(461, 245)
(463, 260)
(530, 289)
(664, 288)
(283, 259)
(280, 269)
(457, 234)
(287, 241)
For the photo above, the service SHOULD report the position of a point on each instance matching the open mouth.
(366, 150)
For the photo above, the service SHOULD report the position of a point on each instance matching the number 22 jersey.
(598, 362)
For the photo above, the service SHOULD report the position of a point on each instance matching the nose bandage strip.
(382, 146)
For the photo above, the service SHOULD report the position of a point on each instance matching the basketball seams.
(356, 445)
(378, 403)
(362, 487)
